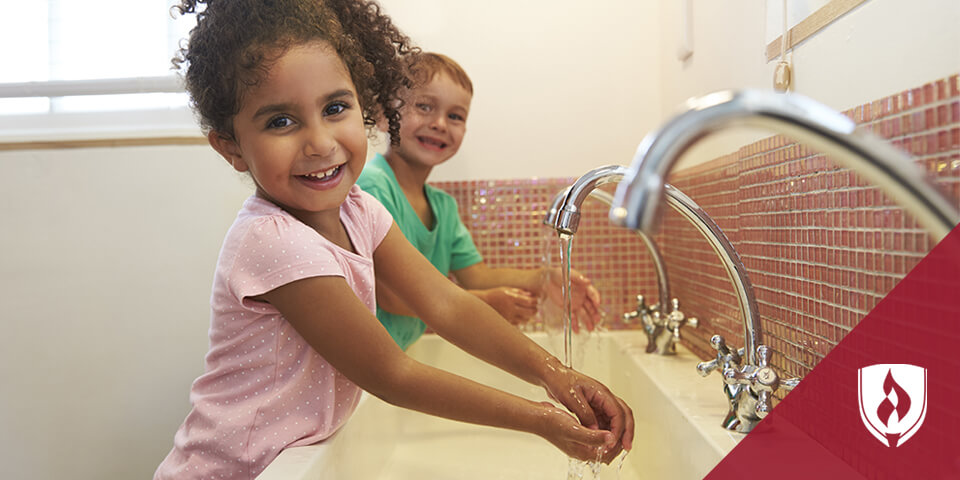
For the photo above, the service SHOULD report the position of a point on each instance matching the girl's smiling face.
(300, 132)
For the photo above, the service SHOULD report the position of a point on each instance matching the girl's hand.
(593, 404)
(515, 304)
(584, 298)
(563, 431)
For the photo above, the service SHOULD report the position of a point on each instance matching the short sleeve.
(463, 252)
(276, 250)
(377, 218)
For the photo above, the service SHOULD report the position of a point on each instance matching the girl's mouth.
(323, 179)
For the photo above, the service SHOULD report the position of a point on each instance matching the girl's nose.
(320, 142)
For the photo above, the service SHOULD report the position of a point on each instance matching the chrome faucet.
(663, 331)
(749, 388)
(564, 216)
(571, 223)
(750, 399)
(749, 381)
(637, 200)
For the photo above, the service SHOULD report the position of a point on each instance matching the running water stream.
(566, 250)
(576, 469)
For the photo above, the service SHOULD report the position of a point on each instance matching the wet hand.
(584, 297)
(514, 304)
(594, 405)
(566, 433)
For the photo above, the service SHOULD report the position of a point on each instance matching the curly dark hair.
(235, 42)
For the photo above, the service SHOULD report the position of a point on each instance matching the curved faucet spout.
(550, 219)
(571, 200)
(566, 212)
(736, 271)
(638, 197)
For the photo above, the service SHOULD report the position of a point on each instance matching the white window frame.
(52, 126)
(64, 121)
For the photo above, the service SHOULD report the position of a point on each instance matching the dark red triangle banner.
(884, 403)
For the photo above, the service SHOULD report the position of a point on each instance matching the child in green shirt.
(434, 121)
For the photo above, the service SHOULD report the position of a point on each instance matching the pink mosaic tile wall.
(821, 246)
(505, 218)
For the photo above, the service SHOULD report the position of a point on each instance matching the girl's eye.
(335, 108)
(456, 116)
(424, 107)
(279, 122)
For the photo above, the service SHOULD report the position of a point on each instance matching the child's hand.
(594, 405)
(515, 304)
(565, 432)
(584, 298)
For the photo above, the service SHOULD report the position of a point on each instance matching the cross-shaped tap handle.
(725, 357)
(761, 378)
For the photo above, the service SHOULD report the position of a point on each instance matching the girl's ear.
(228, 149)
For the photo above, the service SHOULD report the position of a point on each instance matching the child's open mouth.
(322, 179)
(431, 143)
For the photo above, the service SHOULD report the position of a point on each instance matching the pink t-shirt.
(265, 388)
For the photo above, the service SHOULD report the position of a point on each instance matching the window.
(80, 65)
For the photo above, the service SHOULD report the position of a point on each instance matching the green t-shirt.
(448, 245)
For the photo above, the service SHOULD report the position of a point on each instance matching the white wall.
(107, 263)
(560, 86)
(108, 254)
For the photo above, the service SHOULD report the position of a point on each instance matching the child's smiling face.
(300, 132)
(434, 121)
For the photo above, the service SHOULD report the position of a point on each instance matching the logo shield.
(893, 401)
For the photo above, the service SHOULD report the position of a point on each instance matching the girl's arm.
(444, 306)
(327, 313)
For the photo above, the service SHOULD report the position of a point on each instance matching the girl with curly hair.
(284, 90)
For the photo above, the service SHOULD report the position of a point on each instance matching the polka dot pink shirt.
(265, 388)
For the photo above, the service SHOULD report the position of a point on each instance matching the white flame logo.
(893, 401)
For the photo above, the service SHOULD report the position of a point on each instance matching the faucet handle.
(768, 381)
(764, 404)
(677, 318)
(719, 344)
(764, 355)
(725, 357)
(641, 312)
(761, 378)
(788, 384)
(706, 368)
(763, 381)
(723, 351)
(766, 378)
(642, 304)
